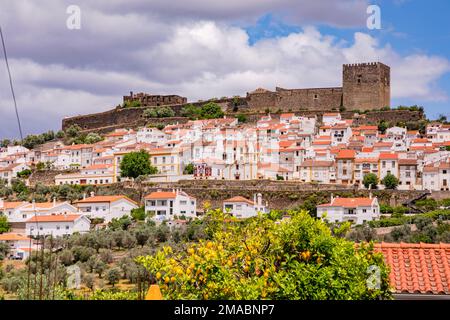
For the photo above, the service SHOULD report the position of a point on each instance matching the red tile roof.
(55, 218)
(108, 199)
(388, 156)
(349, 202)
(346, 154)
(239, 199)
(418, 268)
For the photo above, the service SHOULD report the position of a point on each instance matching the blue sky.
(409, 26)
(202, 49)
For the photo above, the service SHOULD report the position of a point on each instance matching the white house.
(57, 224)
(19, 244)
(106, 207)
(356, 210)
(241, 207)
(167, 205)
(23, 213)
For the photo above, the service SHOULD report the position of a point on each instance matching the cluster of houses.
(31, 220)
(288, 147)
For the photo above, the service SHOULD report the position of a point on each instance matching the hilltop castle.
(365, 87)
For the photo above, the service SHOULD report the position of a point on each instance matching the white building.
(241, 207)
(23, 213)
(356, 210)
(57, 224)
(167, 205)
(106, 207)
(19, 244)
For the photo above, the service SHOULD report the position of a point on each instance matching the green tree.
(4, 250)
(383, 126)
(93, 138)
(24, 174)
(4, 143)
(135, 164)
(370, 180)
(73, 131)
(265, 259)
(189, 169)
(190, 111)
(138, 214)
(242, 118)
(120, 223)
(390, 181)
(211, 110)
(18, 186)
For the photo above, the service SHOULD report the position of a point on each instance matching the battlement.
(363, 64)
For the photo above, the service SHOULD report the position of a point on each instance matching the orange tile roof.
(239, 199)
(418, 267)
(161, 195)
(314, 163)
(346, 154)
(105, 199)
(10, 236)
(349, 202)
(55, 218)
(12, 205)
(388, 156)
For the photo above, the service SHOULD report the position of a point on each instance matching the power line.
(11, 84)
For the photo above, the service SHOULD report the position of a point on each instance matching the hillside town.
(284, 147)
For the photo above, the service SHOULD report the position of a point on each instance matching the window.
(238, 207)
(383, 164)
(67, 227)
(183, 202)
(364, 210)
(316, 96)
(58, 227)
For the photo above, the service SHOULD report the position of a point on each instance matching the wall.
(366, 86)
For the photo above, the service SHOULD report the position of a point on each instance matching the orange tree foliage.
(266, 258)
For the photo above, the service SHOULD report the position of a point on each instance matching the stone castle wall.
(366, 86)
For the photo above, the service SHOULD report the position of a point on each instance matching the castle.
(365, 87)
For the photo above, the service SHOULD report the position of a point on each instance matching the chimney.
(84, 196)
(131, 94)
(34, 205)
(370, 195)
(254, 199)
(259, 199)
(2, 203)
(332, 198)
(92, 194)
(54, 201)
(158, 190)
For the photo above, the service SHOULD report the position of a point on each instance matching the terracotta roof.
(239, 199)
(418, 267)
(346, 154)
(314, 163)
(161, 195)
(349, 202)
(388, 156)
(55, 218)
(12, 205)
(366, 160)
(408, 162)
(105, 199)
(10, 236)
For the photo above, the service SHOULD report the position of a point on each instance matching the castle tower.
(366, 86)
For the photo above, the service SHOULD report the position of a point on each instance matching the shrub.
(263, 259)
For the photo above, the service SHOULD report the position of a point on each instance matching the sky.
(203, 49)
